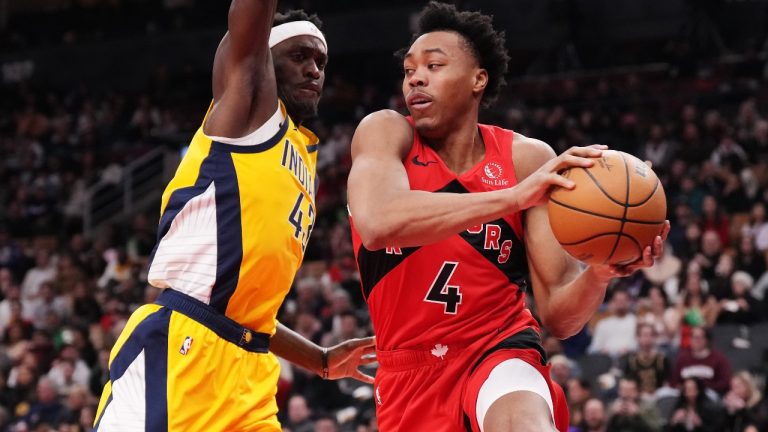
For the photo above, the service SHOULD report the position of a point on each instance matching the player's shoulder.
(384, 128)
(385, 118)
(529, 154)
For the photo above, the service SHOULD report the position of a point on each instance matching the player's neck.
(462, 148)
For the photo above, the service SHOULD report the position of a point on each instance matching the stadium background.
(99, 98)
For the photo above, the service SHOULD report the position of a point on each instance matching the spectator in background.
(615, 335)
(711, 248)
(698, 308)
(595, 419)
(299, 415)
(578, 392)
(694, 412)
(326, 423)
(703, 363)
(648, 366)
(69, 368)
(100, 372)
(46, 410)
(43, 271)
(561, 369)
(664, 319)
(658, 149)
(740, 307)
(744, 405)
(728, 150)
(748, 259)
(720, 285)
(76, 400)
(757, 227)
(629, 413)
(47, 302)
(10, 309)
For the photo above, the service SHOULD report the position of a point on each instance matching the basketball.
(615, 210)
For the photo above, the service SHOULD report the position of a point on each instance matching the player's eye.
(433, 66)
(408, 71)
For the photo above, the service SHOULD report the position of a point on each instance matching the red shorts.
(436, 390)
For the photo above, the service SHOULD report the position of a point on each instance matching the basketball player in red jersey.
(448, 221)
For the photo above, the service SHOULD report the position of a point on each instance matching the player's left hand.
(650, 255)
(345, 358)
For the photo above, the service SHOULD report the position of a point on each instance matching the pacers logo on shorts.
(186, 345)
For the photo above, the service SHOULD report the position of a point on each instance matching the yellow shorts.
(181, 366)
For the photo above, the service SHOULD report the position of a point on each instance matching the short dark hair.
(485, 43)
(707, 333)
(296, 15)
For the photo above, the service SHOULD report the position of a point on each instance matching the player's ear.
(480, 80)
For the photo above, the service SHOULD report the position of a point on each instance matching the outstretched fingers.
(362, 377)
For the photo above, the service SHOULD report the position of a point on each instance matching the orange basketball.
(616, 209)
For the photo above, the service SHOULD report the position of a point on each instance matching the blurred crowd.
(678, 347)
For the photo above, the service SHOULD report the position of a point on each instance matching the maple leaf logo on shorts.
(439, 350)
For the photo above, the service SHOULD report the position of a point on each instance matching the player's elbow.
(560, 328)
(373, 237)
(374, 225)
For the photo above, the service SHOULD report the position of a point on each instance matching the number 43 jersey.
(460, 290)
(235, 220)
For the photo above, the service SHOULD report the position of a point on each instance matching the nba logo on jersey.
(186, 345)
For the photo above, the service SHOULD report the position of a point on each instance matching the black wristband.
(325, 363)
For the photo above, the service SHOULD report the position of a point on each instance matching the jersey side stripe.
(375, 265)
(229, 231)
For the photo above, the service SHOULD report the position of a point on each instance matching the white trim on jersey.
(186, 257)
(127, 411)
(262, 134)
(507, 377)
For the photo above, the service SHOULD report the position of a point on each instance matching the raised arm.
(244, 88)
(386, 211)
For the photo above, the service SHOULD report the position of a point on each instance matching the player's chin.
(425, 126)
(303, 107)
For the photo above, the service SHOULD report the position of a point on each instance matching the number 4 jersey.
(463, 289)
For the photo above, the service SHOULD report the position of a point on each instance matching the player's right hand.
(345, 359)
(534, 190)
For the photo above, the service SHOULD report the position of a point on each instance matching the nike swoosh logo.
(416, 161)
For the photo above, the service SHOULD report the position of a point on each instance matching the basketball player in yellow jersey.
(235, 221)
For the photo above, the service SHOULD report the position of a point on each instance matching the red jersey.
(461, 290)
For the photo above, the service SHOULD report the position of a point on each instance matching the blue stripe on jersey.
(229, 231)
(255, 148)
(156, 373)
(312, 148)
(151, 336)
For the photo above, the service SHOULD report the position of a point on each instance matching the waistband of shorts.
(404, 359)
(226, 328)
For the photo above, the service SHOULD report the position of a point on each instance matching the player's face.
(300, 72)
(441, 80)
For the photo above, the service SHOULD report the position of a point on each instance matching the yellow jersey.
(235, 221)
